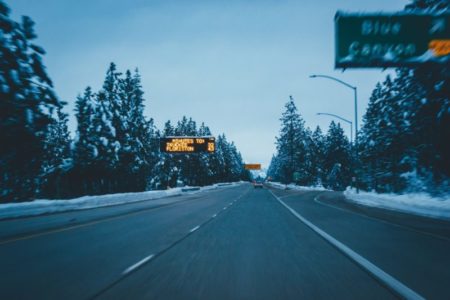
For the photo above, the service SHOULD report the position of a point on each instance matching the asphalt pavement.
(232, 243)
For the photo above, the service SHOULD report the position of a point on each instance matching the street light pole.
(355, 91)
(345, 120)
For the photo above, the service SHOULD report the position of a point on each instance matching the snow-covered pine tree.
(57, 159)
(316, 156)
(389, 131)
(217, 162)
(236, 166)
(103, 169)
(26, 102)
(85, 151)
(165, 172)
(114, 100)
(227, 159)
(194, 167)
(137, 152)
(273, 169)
(337, 158)
(206, 159)
(370, 142)
(292, 145)
(430, 118)
(406, 128)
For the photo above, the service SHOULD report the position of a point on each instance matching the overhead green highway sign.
(391, 40)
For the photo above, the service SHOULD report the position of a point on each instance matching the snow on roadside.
(292, 186)
(418, 204)
(42, 206)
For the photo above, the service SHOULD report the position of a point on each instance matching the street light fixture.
(354, 88)
(345, 120)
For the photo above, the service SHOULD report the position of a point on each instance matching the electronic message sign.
(391, 40)
(188, 144)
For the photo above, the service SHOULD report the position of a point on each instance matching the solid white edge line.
(195, 228)
(384, 277)
(136, 265)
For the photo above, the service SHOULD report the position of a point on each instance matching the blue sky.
(231, 64)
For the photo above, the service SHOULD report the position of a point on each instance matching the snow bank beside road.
(418, 204)
(39, 207)
(291, 186)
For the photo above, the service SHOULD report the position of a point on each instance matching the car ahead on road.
(258, 183)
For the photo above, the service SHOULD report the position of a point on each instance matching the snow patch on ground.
(419, 204)
(43, 206)
(292, 186)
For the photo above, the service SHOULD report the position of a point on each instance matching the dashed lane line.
(138, 264)
(195, 228)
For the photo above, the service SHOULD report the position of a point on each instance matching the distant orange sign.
(440, 47)
(252, 166)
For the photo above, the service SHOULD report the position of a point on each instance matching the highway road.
(231, 243)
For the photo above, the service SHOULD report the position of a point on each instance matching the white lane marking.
(384, 277)
(225, 208)
(145, 259)
(195, 228)
(138, 264)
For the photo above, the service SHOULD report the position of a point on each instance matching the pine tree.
(57, 159)
(370, 141)
(165, 171)
(137, 152)
(316, 156)
(425, 102)
(337, 158)
(85, 150)
(106, 146)
(86, 154)
(205, 172)
(274, 169)
(292, 145)
(27, 100)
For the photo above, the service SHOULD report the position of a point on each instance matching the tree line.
(311, 158)
(116, 147)
(405, 139)
(404, 142)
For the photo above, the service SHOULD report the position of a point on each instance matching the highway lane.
(256, 249)
(76, 262)
(233, 243)
(414, 250)
(25, 226)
